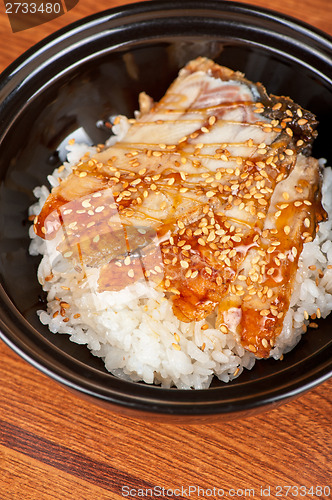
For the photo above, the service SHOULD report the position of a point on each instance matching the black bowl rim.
(129, 394)
(143, 7)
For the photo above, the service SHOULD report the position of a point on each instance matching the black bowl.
(70, 83)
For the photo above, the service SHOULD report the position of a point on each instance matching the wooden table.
(53, 445)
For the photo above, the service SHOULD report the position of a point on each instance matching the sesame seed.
(289, 152)
(86, 203)
(211, 236)
(261, 215)
(265, 343)
(99, 209)
(210, 194)
(131, 273)
(307, 222)
(135, 182)
(188, 273)
(212, 120)
(313, 325)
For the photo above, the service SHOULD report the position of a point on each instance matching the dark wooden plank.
(101, 474)
(22, 477)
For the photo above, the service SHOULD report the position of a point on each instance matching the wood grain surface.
(53, 445)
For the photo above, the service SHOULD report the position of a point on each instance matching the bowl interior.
(76, 80)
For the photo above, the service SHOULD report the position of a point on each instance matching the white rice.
(135, 330)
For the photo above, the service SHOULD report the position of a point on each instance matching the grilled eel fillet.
(211, 194)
